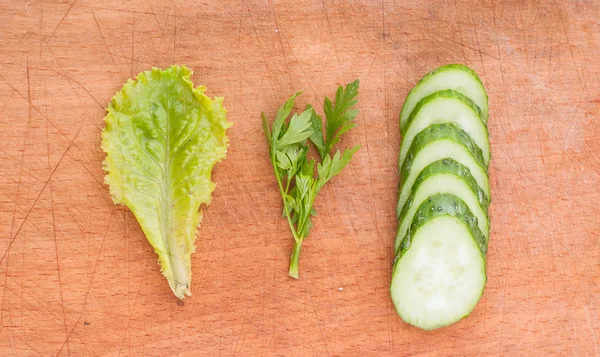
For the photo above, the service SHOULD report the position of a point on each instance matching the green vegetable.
(294, 170)
(443, 225)
(443, 204)
(447, 106)
(440, 279)
(452, 76)
(444, 176)
(439, 272)
(162, 139)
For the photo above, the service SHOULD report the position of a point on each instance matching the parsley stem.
(304, 218)
(283, 197)
(287, 186)
(293, 272)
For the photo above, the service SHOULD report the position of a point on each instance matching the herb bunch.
(294, 170)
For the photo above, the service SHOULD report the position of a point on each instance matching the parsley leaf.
(340, 116)
(317, 135)
(297, 131)
(333, 166)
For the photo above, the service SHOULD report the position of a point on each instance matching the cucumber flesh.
(447, 106)
(441, 183)
(440, 279)
(453, 76)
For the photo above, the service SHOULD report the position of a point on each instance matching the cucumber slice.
(444, 176)
(440, 279)
(452, 76)
(447, 106)
(438, 142)
(438, 205)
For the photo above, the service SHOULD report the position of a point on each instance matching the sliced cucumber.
(447, 106)
(440, 279)
(443, 231)
(453, 76)
(438, 142)
(444, 176)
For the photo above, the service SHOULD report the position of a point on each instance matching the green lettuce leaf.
(162, 139)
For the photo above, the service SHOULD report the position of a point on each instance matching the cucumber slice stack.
(443, 223)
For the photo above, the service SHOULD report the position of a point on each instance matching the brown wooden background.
(77, 277)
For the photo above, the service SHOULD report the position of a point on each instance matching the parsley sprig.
(294, 170)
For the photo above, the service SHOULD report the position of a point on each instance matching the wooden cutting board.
(77, 277)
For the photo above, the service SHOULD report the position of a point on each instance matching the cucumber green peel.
(288, 151)
(162, 139)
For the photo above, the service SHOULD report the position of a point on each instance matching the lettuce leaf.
(162, 139)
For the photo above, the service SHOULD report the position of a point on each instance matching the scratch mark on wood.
(87, 293)
(243, 331)
(387, 135)
(155, 17)
(361, 32)
(279, 34)
(70, 81)
(299, 66)
(334, 45)
(41, 29)
(8, 101)
(506, 112)
(24, 341)
(270, 75)
(129, 11)
(460, 36)
(132, 42)
(19, 183)
(501, 125)
(105, 43)
(174, 35)
(60, 22)
(35, 108)
(319, 325)
(277, 323)
(60, 286)
(524, 34)
(79, 84)
(562, 22)
(478, 44)
(38, 196)
(160, 40)
(33, 305)
(453, 41)
(137, 293)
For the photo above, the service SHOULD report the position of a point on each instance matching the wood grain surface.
(77, 277)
